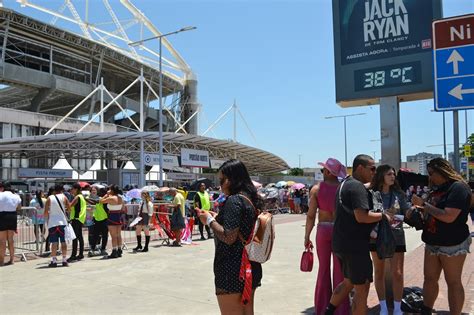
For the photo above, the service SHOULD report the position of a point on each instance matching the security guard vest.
(99, 212)
(82, 212)
(205, 202)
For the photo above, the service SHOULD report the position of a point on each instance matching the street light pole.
(345, 130)
(160, 119)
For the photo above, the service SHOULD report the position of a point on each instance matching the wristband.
(209, 220)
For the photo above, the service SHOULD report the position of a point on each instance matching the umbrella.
(256, 184)
(98, 186)
(297, 186)
(196, 183)
(281, 183)
(271, 193)
(290, 183)
(150, 188)
(134, 193)
(164, 189)
(83, 184)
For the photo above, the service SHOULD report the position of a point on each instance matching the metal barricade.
(28, 237)
(128, 233)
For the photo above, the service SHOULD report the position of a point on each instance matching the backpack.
(260, 243)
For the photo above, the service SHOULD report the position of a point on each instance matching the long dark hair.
(444, 168)
(378, 180)
(38, 197)
(115, 189)
(240, 181)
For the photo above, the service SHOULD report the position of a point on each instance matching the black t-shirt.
(450, 195)
(349, 236)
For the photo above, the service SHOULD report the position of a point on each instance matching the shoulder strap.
(340, 191)
(61, 206)
(241, 237)
(59, 203)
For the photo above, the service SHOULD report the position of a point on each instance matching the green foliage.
(296, 171)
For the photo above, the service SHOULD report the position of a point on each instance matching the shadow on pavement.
(308, 310)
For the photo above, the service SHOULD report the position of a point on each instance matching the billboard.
(194, 158)
(383, 48)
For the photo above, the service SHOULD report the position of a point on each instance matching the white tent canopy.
(129, 166)
(62, 164)
(96, 166)
(154, 174)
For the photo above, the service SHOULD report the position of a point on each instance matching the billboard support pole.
(390, 131)
(456, 141)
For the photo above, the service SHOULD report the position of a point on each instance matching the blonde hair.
(147, 196)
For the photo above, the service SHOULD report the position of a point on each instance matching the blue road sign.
(453, 57)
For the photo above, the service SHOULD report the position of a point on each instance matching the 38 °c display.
(397, 75)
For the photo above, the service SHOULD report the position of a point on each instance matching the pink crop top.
(327, 197)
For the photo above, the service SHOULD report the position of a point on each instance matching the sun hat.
(334, 167)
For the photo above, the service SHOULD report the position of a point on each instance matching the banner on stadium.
(181, 176)
(215, 164)
(169, 161)
(46, 173)
(194, 158)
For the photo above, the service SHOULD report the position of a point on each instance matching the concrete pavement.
(170, 280)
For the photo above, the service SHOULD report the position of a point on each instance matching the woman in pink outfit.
(323, 198)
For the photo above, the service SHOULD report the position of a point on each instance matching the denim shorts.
(450, 251)
(56, 234)
(297, 201)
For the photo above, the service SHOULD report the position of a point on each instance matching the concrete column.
(390, 131)
(190, 105)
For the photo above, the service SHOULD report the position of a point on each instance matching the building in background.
(420, 161)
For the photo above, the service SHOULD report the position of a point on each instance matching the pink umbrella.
(256, 184)
(297, 186)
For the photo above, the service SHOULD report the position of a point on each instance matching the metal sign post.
(453, 55)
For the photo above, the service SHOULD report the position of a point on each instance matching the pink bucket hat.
(334, 167)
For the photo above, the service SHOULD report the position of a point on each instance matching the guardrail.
(31, 238)
(28, 237)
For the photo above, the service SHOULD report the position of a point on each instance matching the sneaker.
(103, 252)
(91, 253)
(65, 263)
(119, 252)
(53, 264)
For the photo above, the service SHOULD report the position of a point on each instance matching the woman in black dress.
(237, 216)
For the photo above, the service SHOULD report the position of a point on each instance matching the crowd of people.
(62, 212)
(348, 211)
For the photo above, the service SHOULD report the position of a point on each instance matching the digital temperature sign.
(383, 48)
(399, 75)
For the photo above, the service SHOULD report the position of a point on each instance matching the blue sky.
(275, 58)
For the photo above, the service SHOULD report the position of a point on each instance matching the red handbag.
(307, 258)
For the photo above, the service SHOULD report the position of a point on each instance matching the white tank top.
(115, 207)
(56, 216)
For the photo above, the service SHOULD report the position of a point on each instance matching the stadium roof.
(124, 146)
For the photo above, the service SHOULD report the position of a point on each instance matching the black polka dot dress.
(236, 213)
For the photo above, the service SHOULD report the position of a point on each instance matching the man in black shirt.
(351, 235)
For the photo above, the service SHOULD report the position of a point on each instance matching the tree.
(296, 171)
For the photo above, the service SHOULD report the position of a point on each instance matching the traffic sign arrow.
(457, 92)
(454, 58)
